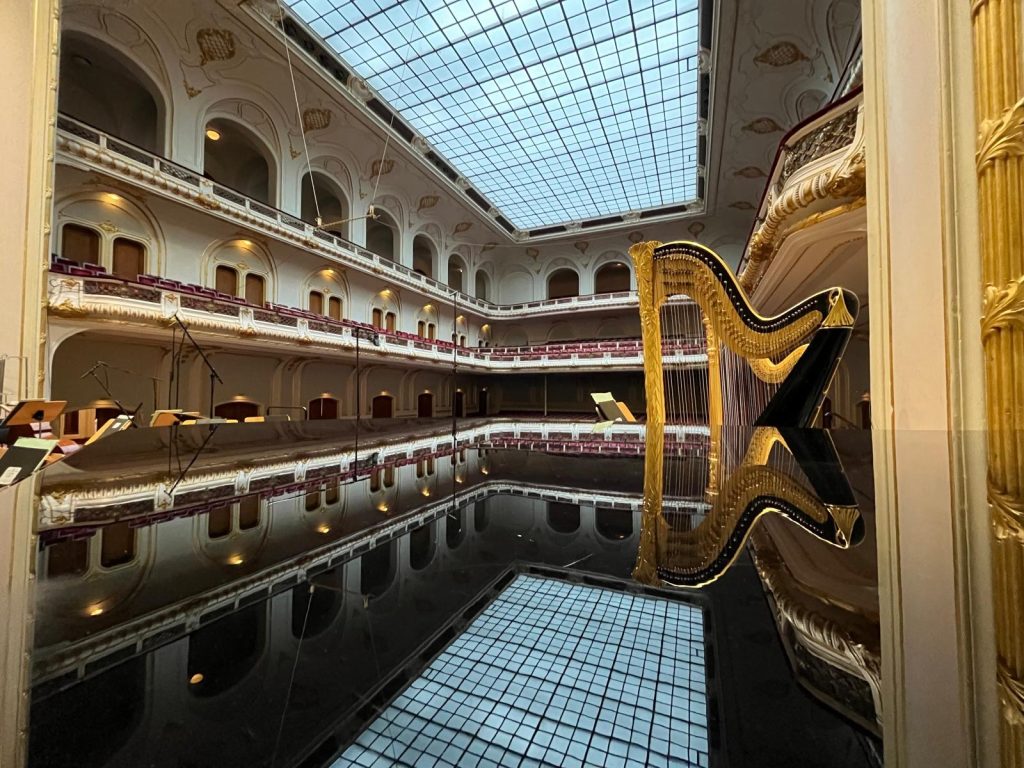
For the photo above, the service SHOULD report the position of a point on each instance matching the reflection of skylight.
(552, 672)
(557, 111)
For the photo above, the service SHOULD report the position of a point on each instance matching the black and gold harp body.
(766, 380)
(765, 371)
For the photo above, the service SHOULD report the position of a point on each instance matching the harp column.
(999, 111)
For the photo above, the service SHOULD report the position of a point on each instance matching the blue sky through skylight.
(556, 111)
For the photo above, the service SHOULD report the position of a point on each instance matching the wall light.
(196, 679)
(213, 134)
(324, 528)
(95, 610)
(236, 560)
(110, 197)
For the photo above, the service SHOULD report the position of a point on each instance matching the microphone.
(87, 373)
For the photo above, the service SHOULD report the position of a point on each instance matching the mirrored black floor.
(266, 595)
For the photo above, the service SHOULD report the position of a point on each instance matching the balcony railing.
(166, 177)
(89, 290)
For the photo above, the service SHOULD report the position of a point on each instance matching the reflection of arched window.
(614, 524)
(375, 570)
(563, 283)
(331, 201)
(611, 278)
(456, 274)
(100, 87)
(218, 522)
(69, 557)
(80, 244)
(234, 157)
(313, 499)
(323, 408)
(239, 410)
(224, 651)
(453, 532)
(421, 547)
(479, 517)
(382, 235)
(563, 518)
(316, 611)
(423, 255)
(249, 512)
(117, 545)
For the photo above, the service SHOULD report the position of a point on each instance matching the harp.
(764, 371)
(793, 473)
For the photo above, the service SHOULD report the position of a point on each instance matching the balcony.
(83, 146)
(88, 293)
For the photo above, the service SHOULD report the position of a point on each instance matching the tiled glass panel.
(557, 111)
(553, 674)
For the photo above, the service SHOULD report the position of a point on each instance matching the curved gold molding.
(1002, 308)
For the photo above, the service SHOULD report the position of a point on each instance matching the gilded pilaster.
(999, 111)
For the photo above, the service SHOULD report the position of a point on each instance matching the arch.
(563, 283)
(382, 235)
(108, 90)
(457, 273)
(113, 217)
(516, 286)
(614, 524)
(563, 518)
(316, 610)
(383, 303)
(238, 157)
(330, 198)
(424, 255)
(482, 285)
(246, 258)
(612, 277)
(560, 332)
(326, 293)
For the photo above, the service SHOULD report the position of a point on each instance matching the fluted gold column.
(999, 110)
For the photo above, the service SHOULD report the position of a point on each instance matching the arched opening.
(479, 518)
(80, 244)
(375, 570)
(382, 407)
(612, 278)
(100, 87)
(225, 280)
(225, 651)
(482, 287)
(332, 202)
(117, 545)
(563, 283)
(459, 403)
(235, 158)
(69, 557)
(382, 235)
(425, 405)
(421, 547)
(456, 274)
(255, 289)
(323, 408)
(239, 410)
(453, 529)
(563, 518)
(614, 524)
(423, 256)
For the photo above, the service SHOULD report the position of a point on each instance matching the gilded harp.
(762, 371)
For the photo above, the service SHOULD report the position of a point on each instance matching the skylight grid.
(556, 110)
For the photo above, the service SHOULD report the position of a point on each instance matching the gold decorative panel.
(314, 119)
(781, 55)
(215, 45)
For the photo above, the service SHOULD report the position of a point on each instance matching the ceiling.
(556, 110)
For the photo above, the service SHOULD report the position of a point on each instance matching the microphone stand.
(214, 376)
(105, 386)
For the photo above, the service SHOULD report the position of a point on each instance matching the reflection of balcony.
(90, 292)
(84, 146)
(817, 177)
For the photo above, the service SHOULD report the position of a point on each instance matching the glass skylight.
(558, 675)
(556, 111)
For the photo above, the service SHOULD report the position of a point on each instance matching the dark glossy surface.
(255, 595)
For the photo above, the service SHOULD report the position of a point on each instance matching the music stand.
(28, 412)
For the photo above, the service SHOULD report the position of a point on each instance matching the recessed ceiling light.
(212, 134)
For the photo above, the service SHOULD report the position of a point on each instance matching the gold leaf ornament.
(1001, 137)
(1002, 307)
